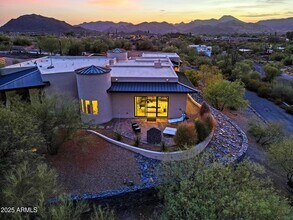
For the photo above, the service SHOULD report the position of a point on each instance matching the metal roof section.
(117, 50)
(182, 78)
(148, 87)
(93, 70)
(23, 79)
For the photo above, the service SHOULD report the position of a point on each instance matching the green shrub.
(209, 120)
(264, 91)
(163, 147)
(186, 135)
(136, 141)
(202, 129)
(253, 85)
(118, 136)
(266, 134)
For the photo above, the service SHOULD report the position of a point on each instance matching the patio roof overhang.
(29, 78)
(149, 87)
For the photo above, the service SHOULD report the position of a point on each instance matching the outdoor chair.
(177, 120)
(135, 127)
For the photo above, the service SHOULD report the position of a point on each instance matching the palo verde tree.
(281, 153)
(223, 93)
(205, 189)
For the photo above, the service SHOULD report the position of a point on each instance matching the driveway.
(269, 111)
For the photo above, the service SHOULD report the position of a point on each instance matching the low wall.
(163, 156)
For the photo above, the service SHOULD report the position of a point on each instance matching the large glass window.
(163, 102)
(151, 106)
(89, 106)
(82, 105)
(140, 106)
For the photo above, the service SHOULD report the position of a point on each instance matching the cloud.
(110, 2)
(260, 15)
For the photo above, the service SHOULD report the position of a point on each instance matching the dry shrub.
(209, 120)
(186, 136)
(204, 109)
(202, 129)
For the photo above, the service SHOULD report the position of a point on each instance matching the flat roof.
(160, 54)
(63, 64)
(141, 68)
(142, 72)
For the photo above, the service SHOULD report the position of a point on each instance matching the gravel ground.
(227, 142)
(94, 166)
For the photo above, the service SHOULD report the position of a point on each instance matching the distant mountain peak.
(34, 23)
(226, 18)
(227, 24)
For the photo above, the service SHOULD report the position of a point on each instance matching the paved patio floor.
(124, 125)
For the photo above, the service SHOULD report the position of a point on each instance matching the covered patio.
(124, 127)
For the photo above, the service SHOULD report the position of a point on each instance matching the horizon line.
(136, 23)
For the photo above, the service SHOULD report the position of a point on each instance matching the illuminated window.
(87, 107)
(162, 106)
(82, 105)
(151, 106)
(140, 106)
(95, 107)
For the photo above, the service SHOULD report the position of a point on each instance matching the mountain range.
(225, 25)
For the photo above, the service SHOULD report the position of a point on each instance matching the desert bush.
(253, 85)
(202, 129)
(288, 61)
(136, 141)
(186, 135)
(103, 213)
(266, 134)
(264, 91)
(163, 146)
(118, 135)
(209, 120)
(204, 109)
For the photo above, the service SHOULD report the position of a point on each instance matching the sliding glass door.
(151, 106)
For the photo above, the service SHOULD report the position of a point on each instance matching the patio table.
(170, 131)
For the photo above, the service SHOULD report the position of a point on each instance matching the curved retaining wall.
(163, 156)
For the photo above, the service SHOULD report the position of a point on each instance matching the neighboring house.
(203, 49)
(107, 87)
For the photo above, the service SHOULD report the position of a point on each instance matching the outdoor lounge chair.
(135, 127)
(177, 120)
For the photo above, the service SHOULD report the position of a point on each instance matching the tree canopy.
(210, 190)
(223, 93)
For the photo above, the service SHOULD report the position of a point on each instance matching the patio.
(124, 125)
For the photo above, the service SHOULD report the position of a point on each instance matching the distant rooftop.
(117, 50)
(160, 54)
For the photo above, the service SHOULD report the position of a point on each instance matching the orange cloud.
(111, 2)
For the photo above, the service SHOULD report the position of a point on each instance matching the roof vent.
(158, 64)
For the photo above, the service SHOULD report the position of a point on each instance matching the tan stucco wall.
(94, 87)
(61, 83)
(123, 104)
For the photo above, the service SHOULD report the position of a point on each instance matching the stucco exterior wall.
(94, 87)
(123, 104)
(61, 83)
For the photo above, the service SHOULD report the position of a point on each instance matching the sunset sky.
(136, 11)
